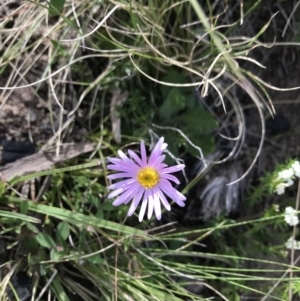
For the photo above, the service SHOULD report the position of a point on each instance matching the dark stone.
(22, 286)
(277, 124)
(14, 150)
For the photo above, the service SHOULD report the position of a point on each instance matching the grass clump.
(115, 73)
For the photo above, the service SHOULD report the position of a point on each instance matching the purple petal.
(180, 195)
(179, 203)
(135, 202)
(163, 200)
(143, 154)
(157, 161)
(124, 157)
(157, 150)
(117, 192)
(167, 188)
(120, 200)
(119, 175)
(125, 161)
(173, 168)
(114, 160)
(170, 177)
(136, 190)
(172, 193)
(122, 184)
(126, 196)
(134, 156)
(132, 170)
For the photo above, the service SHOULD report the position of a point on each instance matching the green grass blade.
(15, 215)
(52, 172)
(82, 220)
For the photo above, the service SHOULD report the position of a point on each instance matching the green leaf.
(91, 199)
(205, 142)
(55, 255)
(24, 208)
(58, 289)
(198, 120)
(2, 188)
(40, 256)
(55, 7)
(174, 103)
(63, 229)
(172, 139)
(107, 206)
(99, 214)
(32, 228)
(30, 244)
(45, 240)
(174, 77)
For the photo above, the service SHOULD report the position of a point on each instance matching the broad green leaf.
(174, 77)
(198, 120)
(63, 229)
(31, 244)
(54, 255)
(32, 228)
(100, 214)
(93, 200)
(107, 206)
(205, 142)
(55, 7)
(45, 240)
(174, 103)
(43, 269)
(36, 259)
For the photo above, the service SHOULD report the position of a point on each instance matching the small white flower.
(290, 216)
(292, 220)
(292, 244)
(276, 207)
(296, 168)
(289, 182)
(286, 174)
(280, 188)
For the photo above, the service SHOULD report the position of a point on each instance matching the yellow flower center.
(148, 177)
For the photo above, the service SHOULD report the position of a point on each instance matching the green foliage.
(45, 240)
(181, 110)
(267, 183)
(174, 107)
(55, 7)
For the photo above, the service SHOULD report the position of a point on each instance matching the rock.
(22, 286)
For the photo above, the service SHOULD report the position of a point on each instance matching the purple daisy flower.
(146, 180)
